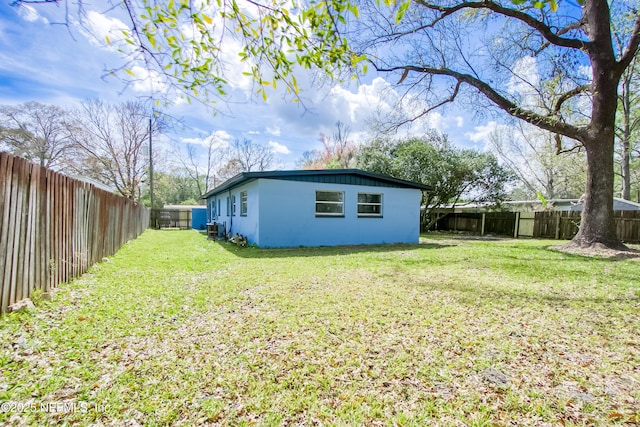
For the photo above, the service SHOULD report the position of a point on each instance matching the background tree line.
(109, 144)
(100, 141)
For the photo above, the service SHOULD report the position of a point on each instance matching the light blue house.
(317, 208)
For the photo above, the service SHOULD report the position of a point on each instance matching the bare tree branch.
(632, 48)
(426, 111)
(571, 27)
(551, 124)
(525, 18)
(568, 95)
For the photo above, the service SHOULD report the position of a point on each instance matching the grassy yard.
(178, 330)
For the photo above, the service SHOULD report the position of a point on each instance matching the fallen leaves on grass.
(401, 336)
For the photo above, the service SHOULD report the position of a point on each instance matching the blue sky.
(55, 64)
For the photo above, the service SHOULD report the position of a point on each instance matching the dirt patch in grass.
(600, 251)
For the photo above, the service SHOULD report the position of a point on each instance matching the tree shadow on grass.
(591, 253)
(315, 251)
(475, 294)
(597, 252)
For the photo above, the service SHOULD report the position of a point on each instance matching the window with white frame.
(329, 203)
(233, 205)
(243, 203)
(369, 205)
(228, 207)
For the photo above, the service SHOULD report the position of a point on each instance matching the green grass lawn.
(176, 329)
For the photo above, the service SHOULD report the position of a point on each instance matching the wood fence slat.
(42, 260)
(68, 238)
(56, 205)
(49, 230)
(18, 269)
(29, 281)
(14, 227)
(6, 173)
(64, 219)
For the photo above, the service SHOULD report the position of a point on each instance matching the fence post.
(484, 217)
(558, 218)
(516, 226)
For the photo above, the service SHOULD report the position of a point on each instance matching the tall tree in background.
(337, 152)
(454, 174)
(628, 126)
(310, 159)
(172, 187)
(201, 169)
(114, 138)
(38, 133)
(230, 168)
(531, 155)
(500, 52)
(246, 156)
(628, 118)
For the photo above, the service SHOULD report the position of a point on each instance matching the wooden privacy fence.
(564, 225)
(490, 223)
(54, 227)
(547, 224)
(556, 225)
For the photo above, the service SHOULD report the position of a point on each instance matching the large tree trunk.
(597, 227)
(597, 224)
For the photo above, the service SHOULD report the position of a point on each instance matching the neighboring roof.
(625, 205)
(552, 204)
(334, 176)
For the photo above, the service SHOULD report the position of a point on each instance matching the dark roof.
(334, 176)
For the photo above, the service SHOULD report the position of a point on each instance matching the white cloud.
(380, 101)
(437, 121)
(147, 82)
(30, 14)
(525, 82)
(361, 108)
(279, 148)
(234, 68)
(230, 64)
(585, 71)
(273, 130)
(98, 28)
(219, 139)
(483, 132)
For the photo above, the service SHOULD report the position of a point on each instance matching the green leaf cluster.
(184, 40)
